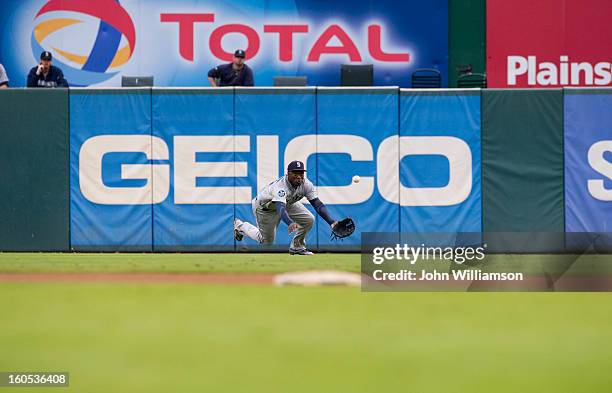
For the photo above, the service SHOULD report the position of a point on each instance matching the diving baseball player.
(280, 200)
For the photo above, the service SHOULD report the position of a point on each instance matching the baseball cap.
(295, 166)
(46, 56)
(239, 53)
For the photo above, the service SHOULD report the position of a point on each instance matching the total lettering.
(286, 34)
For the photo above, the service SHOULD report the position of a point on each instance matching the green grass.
(139, 337)
(256, 263)
(202, 263)
(186, 338)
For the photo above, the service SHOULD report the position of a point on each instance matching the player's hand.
(333, 225)
(294, 226)
(40, 69)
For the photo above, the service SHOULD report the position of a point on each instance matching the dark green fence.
(522, 160)
(34, 198)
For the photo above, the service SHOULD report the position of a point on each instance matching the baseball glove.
(343, 229)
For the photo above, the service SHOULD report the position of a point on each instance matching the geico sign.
(187, 169)
(598, 162)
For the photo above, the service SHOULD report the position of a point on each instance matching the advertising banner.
(357, 134)
(440, 186)
(111, 176)
(177, 42)
(549, 43)
(278, 126)
(588, 160)
(194, 195)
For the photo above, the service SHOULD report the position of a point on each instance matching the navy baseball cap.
(240, 53)
(46, 56)
(296, 166)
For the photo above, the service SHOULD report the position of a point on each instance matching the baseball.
(356, 179)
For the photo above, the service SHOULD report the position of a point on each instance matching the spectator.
(3, 78)
(236, 73)
(46, 74)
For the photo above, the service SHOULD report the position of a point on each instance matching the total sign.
(187, 170)
(97, 42)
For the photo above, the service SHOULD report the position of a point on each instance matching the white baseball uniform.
(268, 218)
(3, 76)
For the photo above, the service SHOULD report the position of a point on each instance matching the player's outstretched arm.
(281, 209)
(321, 210)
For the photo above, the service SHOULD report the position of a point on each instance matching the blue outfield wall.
(197, 126)
(206, 153)
(170, 169)
(351, 126)
(440, 165)
(588, 160)
(280, 126)
(110, 152)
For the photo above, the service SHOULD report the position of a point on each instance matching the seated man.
(3, 77)
(280, 200)
(236, 73)
(45, 74)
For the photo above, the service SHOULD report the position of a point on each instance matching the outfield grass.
(187, 338)
(203, 263)
(168, 337)
(252, 263)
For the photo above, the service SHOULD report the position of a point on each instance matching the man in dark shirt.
(45, 74)
(235, 73)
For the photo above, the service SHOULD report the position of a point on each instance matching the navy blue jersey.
(54, 78)
(228, 76)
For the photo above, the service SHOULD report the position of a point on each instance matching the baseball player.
(280, 200)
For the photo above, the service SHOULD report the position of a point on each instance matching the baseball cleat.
(303, 251)
(237, 233)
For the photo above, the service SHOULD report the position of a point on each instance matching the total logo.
(104, 56)
(187, 170)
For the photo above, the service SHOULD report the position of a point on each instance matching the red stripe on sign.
(107, 10)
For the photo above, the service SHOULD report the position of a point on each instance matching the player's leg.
(267, 222)
(302, 216)
(264, 232)
(239, 225)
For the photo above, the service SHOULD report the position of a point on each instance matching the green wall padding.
(34, 199)
(522, 160)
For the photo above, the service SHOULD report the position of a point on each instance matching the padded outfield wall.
(169, 169)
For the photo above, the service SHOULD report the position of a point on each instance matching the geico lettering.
(564, 73)
(598, 162)
(358, 148)
(322, 45)
(90, 170)
(454, 149)
(187, 169)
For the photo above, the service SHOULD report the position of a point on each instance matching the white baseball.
(356, 179)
